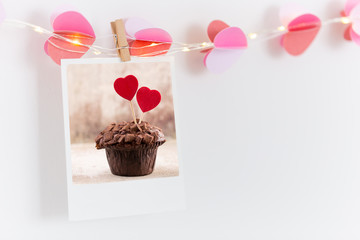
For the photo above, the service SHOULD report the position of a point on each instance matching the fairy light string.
(176, 47)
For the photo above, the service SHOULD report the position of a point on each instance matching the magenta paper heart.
(2, 13)
(229, 44)
(301, 33)
(72, 26)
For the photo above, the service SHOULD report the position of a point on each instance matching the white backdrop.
(270, 148)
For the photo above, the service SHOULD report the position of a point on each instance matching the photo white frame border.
(124, 198)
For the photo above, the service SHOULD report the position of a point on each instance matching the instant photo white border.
(124, 198)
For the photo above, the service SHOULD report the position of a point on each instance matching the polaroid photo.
(122, 144)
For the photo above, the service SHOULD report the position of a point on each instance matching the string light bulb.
(76, 42)
(345, 20)
(186, 49)
(281, 28)
(252, 35)
(38, 29)
(97, 52)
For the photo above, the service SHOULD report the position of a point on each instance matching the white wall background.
(271, 147)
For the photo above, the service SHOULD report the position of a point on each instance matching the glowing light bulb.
(252, 35)
(186, 49)
(38, 29)
(204, 44)
(76, 42)
(281, 28)
(153, 44)
(97, 52)
(345, 20)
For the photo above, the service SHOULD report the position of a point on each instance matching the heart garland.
(147, 99)
(73, 35)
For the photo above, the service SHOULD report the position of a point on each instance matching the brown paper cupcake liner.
(132, 161)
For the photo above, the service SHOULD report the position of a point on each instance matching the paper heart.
(59, 10)
(126, 87)
(349, 5)
(2, 13)
(151, 42)
(59, 49)
(230, 38)
(72, 21)
(229, 44)
(301, 33)
(352, 11)
(145, 39)
(347, 34)
(77, 32)
(215, 27)
(354, 36)
(219, 60)
(147, 99)
(355, 17)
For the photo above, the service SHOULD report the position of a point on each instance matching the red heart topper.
(148, 99)
(126, 87)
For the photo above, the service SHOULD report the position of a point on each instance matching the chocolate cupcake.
(130, 148)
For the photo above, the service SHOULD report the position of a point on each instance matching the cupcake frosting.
(128, 135)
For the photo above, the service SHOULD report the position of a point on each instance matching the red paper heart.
(215, 27)
(58, 48)
(126, 87)
(302, 32)
(148, 99)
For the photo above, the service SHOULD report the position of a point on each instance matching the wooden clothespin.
(121, 43)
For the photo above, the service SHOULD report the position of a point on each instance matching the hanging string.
(176, 47)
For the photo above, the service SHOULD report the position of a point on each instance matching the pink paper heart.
(215, 27)
(219, 60)
(229, 45)
(289, 12)
(231, 38)
(153, 35)
(72, 21)
(355, 16)
(354, 36)
(59, 10)
(2, 13)
(349, 5)
(301, 33)
(72, 26)
(133, 25)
